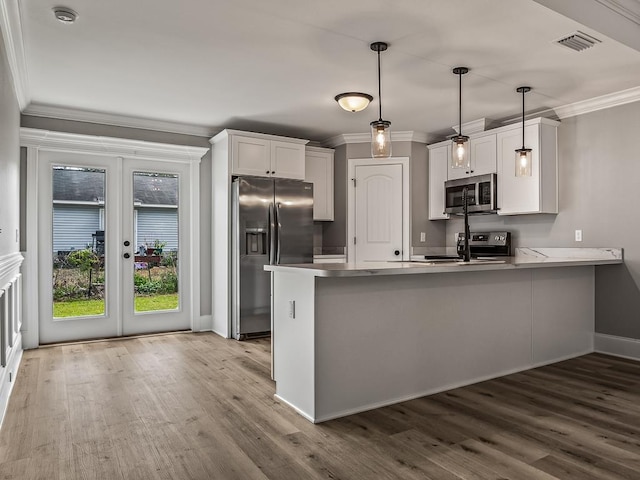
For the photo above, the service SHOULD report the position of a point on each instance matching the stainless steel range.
(486, 244)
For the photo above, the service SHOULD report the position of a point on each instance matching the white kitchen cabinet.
(250, 156)
(482, 157)
(267, 156)
(539, 192)
(439, 157)
(319, 171)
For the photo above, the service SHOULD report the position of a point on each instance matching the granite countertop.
(523, 258)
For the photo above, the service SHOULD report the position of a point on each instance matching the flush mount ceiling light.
(523, 155)
(380, 129)
(65, 15)
(353, 101)
(460, 148)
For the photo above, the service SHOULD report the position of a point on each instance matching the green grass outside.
(82, 308)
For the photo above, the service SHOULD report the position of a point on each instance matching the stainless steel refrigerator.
(272, 223)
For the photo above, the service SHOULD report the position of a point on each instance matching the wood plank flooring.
(195, 406)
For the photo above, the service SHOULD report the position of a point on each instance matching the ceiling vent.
(578, 41)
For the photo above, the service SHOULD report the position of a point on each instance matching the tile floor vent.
(578, 41)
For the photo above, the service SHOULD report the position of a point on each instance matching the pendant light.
(460, 147)
(523, 155)
(380, 129)
(353, 101)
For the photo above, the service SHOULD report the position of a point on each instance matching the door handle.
(271, 235)
(396, 252)
(127, 243)
(279, 227)
(127, 255)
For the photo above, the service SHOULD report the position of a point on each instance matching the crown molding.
(11, 28)
(347, 138)
(64, 113)
(628, 9)
(474, 126)
(599, 103)
(35, 138)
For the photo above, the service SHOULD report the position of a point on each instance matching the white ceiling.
(274, 66)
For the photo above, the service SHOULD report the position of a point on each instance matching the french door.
(113, 246)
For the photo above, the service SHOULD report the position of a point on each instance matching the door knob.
(127, 255)
(127, 243)
(396, 252)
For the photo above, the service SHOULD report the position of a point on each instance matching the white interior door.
(378, 212)
(93, 280)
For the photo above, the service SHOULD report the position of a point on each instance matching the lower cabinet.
(319, 171)
(539, 192)
(439, 154)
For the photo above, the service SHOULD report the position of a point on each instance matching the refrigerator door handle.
(271, 234)
(277, 210)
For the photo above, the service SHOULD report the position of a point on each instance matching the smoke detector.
(578, 41)
(65, 15)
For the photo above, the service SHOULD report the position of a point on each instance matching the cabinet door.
(250, 156)
(439, 158)
(319, 171)
(287, 160)
(483, 155)
(518, 194)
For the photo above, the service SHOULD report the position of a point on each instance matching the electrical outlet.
(578, 235)
(423, 236)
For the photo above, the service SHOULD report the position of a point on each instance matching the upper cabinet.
(539, 192)
(266, 155)
(319, 171)
(493, 151)
(482, 157)
(439, 158)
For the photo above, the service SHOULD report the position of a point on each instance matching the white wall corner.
(206, 323)
(11, 28)
(617, 346)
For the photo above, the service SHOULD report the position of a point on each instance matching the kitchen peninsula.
(352, 337)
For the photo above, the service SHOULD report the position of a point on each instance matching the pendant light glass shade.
(380, 129)
(460, 147)
(353, 101)
(523, 155)
(460, 152)
(380, 139)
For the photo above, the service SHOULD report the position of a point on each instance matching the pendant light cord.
(523, 92)
(379, 87)
(460, 105)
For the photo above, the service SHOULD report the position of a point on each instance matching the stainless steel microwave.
(482, 194)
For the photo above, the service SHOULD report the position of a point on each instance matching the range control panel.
(487, 243)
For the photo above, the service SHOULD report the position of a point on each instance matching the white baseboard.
(617, 346)
(8, 377)
(205, 323)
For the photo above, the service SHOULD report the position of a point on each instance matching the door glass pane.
(78, 242)
(155, 277)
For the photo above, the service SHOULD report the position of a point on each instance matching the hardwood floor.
(195, 406)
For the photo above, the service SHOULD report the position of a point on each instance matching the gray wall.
(599, 181)
(9, 160)
(335, 233)
(86, 128)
